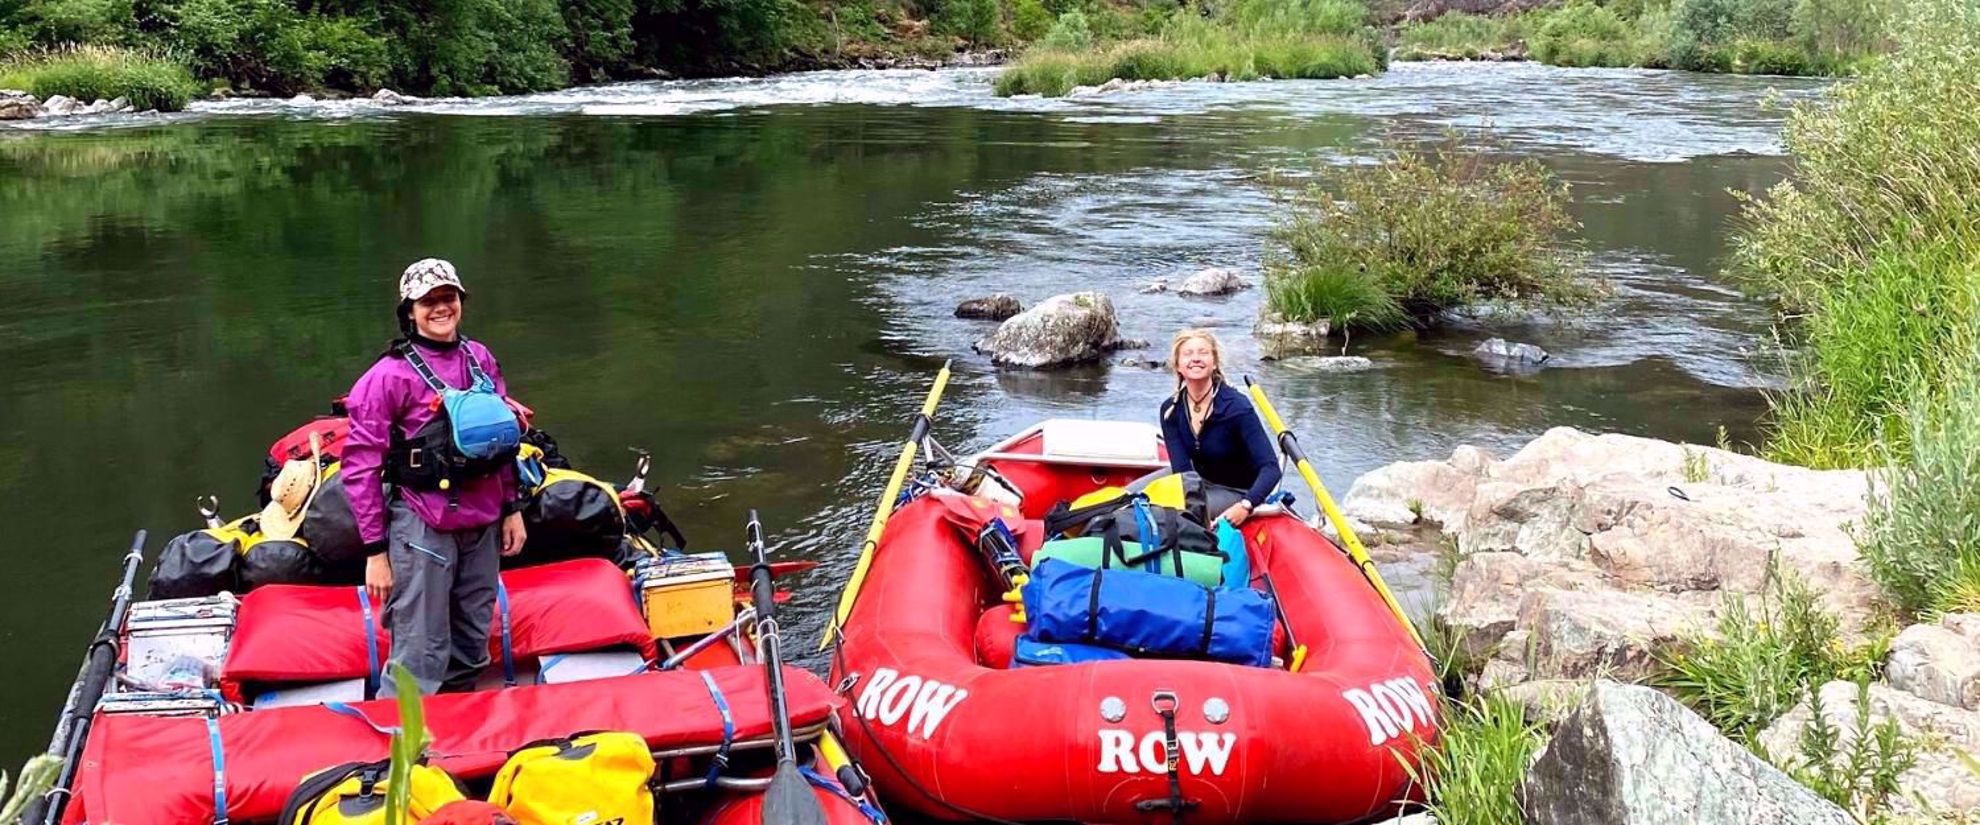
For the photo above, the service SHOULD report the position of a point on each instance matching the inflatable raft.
(572, 651)
(950, 729)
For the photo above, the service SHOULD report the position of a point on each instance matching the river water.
(754, 278)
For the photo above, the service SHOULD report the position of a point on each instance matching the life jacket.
(354, 794)
(588, 779)
(474, 435)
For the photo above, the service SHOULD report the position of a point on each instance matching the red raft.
(947, 730)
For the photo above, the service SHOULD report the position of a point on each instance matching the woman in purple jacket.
(432, 535)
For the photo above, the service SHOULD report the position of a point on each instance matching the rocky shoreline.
(1580, 560)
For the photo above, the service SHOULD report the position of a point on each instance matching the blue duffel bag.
(1147, 614)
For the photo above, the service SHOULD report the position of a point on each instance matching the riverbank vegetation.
(1791, 37)
(90, 73)
(1251, 39)
(1425, 230)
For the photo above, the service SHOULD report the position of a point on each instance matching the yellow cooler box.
(686, 595)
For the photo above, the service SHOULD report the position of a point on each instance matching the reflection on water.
(759, 292)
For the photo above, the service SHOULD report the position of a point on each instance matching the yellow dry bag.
(354, 794)
(589, 779)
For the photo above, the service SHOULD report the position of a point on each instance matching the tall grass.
(1922, 537)
(1583, 34)
(1472, 776)
(1432, 228)
(90, 73)
(1874, 244)
(1463, 36)
(1285, 39)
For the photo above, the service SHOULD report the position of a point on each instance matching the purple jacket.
(391, 395)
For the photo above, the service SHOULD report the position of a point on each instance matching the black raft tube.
(72, 727)
(788, 800)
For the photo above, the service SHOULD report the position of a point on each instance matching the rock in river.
(1065, 329)
(1629, 755)
(60, 105)
(1280, 338)
(1500, 349)
(1212, 282)
(18, 105)
(995, 307)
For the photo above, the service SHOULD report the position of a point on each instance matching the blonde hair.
(1216, 354)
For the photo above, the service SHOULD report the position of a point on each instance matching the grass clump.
(1252, 39)
(1472, 776)
(1921, 539)
(1857, 768)
(1430, 229)
(1764, 659)
(90, 73)
(1873, 246)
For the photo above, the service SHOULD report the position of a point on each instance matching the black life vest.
(432, 459)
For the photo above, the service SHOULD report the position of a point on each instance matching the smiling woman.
(1211, 428)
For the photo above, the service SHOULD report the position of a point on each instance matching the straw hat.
(290, 493)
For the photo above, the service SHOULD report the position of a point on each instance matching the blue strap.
(219, 771)
(508, 653)
(728, 728)
(371, 677)
(818, 780)
(343, 709)
(1145, 527)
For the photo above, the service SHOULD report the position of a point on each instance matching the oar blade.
(789, 800)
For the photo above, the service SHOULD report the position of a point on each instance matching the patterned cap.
(424, 275)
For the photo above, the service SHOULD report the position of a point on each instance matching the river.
(754, 278)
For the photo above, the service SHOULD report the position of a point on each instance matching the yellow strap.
(881, 510)
(1348, 538)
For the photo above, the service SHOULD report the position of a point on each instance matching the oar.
(778, 568)
(885, 507)
(788, 800)
(1290, 444)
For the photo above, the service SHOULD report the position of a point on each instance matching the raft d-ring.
(1164, 701)
(847, 683)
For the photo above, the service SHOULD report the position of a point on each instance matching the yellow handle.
(884, 508)
(1291, 447)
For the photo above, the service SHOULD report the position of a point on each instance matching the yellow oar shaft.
(1353, 543)
(885, 507)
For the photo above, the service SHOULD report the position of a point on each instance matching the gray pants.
(443, 598)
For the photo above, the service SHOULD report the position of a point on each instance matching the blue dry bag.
(1237, 565)
(1031, 652)
(1147, 614)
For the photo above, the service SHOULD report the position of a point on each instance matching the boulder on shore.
(1212, 281)
(996, 307)
(1595, 550)
(18, 105)
(60, 105)
(1063, 330)
(1629, 755)
(1938, 783)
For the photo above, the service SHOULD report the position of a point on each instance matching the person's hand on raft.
(378, 578)
(512, 534)
(1237, 513)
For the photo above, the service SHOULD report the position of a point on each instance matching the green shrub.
(1029, 20)
(1857, 769)
(600, 36)
(978, 21)
(1764, 659)
(1921, 539)
(1583, 34)
(1472, 776)
(91, 73)
(1295, 17)
(102, 22)
(1070, 34)
(1839, 34)
(1872, 242)
(1438, 228)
